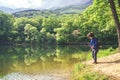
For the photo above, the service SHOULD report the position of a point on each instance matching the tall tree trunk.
(114, 12)
(119, 2)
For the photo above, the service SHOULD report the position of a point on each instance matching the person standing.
(94, 46)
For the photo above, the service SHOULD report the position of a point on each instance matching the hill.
(5, 9)
(72, 9)
(46, 4)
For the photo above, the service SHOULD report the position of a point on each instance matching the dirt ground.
(109, 66)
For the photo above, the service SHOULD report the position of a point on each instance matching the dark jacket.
(94, 42)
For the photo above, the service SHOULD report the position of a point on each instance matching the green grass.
(84, 72)
(103, 53)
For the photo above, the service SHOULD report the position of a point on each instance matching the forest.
(46, 44)
(63, 29)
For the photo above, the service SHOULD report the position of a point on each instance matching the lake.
(23, 62)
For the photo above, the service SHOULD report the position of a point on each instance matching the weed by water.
(83, 72)
(102, 53)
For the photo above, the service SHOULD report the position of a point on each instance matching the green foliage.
(31, 32)
(19, 25)
(103, 52)
(50, 23)
(62, 29)
(83, 72)
(101, 16)
(65, 34)
(46, 37)
(6, 23)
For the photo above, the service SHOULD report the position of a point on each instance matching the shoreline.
(106, 69)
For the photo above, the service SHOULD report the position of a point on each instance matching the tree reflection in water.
(39, 59)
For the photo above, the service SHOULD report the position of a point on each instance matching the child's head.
(90, 35)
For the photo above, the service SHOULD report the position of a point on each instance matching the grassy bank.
(103, 53)
(82, 71)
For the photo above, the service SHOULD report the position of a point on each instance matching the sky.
(39, 4)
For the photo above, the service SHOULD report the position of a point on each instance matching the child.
(94, 46)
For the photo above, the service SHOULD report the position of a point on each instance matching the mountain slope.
(76, 8)
(72, 9)
(5, 9)
(56, 5)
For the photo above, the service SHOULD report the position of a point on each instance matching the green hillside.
(73, 9)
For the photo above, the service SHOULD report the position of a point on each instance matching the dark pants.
(94, 54)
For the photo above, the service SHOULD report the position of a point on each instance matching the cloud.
(21, 3)
(59, 3)
(39, 4)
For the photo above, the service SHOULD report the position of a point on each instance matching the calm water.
(24, 60)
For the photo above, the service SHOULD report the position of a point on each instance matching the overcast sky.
(39, 4)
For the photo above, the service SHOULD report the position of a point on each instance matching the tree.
(119, 2)
(64, 33)
(114, 12)
(50, 23)
(19, 25)
(37, 22)
(31, 32)
(6, 24)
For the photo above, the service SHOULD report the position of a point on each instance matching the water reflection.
(38, 59)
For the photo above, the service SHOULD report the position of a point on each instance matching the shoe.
(94, 62)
